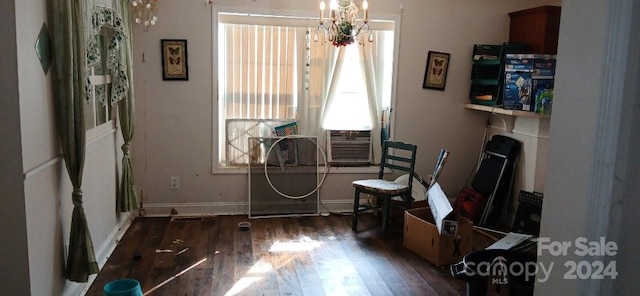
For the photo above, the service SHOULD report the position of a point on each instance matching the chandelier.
(145, 12)
(343, 26)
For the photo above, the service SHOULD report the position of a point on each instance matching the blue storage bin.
(123, 287)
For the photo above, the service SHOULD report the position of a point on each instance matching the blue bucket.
(123, 287)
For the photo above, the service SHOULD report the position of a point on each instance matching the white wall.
(629, 169)
(14, 274)
(573, 128)
(629, 208)
(174, 118)
(592, 180)
(40, 205)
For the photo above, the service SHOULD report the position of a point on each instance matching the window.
(266, 68)
(352, 112)
(98, 111)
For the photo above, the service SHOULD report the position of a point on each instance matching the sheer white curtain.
(325, 67)
(322, 74)
(372, 61)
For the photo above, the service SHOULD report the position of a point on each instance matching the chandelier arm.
(344, 26)
(362, 28)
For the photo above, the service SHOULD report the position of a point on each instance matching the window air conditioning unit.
(349, 148)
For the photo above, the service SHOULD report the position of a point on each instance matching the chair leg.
(356, 207)
(386, 211)
(380, 209)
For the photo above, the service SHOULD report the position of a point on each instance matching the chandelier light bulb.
(344, 25)
(144, 12)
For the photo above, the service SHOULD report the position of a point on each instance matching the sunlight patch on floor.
(302, 245)
(262, 267)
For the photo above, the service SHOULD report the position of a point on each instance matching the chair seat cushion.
(381, 186)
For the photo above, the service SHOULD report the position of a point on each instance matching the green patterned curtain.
(69, 82)
(76, 25)
(127, 199)
(113, 17)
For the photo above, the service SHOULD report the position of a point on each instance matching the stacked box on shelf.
(544, 70)
(526, 77)
(487, 73)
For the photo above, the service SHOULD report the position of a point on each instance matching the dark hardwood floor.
(277, 256)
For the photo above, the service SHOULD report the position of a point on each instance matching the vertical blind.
(258, 66)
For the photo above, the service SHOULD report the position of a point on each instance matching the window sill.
(100, 131)
(372, 169)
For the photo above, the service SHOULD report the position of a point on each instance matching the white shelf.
(498, 110)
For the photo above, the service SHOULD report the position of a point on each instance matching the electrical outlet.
(175, 183)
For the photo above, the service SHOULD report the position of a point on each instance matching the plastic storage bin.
(123, 287)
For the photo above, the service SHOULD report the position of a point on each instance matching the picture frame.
(435, 74)
(174, 59)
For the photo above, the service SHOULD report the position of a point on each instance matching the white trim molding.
(232, 208)
(601, 198)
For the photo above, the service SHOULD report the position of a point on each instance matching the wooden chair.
(402, 159)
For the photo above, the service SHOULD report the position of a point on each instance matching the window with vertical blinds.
(267, 66)
(259, 59)
(259, 64)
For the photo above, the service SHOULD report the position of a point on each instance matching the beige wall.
(43, 201)
(174, 125)
(13, 228)
(592, 181)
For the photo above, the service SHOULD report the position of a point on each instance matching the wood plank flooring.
(277, 256)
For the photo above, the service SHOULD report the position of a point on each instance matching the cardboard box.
(421, 236)
(542, 92)
(517, 90)
(544, 66)
(524, 73)
(442, 211)
(518, 69)
(518, 62)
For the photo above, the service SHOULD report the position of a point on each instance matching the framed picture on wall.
(435, 75)
(174, 59)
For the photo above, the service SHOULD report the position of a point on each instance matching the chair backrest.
(398, 156)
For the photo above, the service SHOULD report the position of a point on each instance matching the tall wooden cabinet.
(537, 27)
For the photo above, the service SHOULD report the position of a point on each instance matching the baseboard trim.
(231, 208)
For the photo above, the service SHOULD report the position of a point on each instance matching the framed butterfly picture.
(174, 59)
(435, 75)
